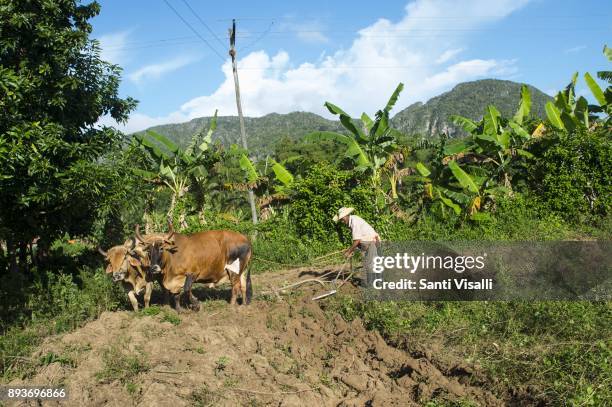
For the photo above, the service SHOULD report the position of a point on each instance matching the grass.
(123, 366)
(221, 364)
(51, 304)
(560, 349)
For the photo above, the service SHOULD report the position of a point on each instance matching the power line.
(203, 23)
(258, 38)
(193, 29)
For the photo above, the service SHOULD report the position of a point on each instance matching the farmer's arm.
(350, 250)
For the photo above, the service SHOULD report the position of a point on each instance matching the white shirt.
(361, 229)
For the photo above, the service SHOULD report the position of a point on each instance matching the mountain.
(262, 132)
(467, 99)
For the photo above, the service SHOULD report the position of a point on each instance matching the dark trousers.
(369, 251)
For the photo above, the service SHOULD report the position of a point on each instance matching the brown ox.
(204, 257)
(129, 264)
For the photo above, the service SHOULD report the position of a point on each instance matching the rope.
(321, 281)
(316, 259)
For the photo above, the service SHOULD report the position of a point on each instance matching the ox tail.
(249, 287)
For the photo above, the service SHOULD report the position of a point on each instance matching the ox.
(205, 257)
(129, 264)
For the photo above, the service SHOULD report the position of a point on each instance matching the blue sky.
(296, 55)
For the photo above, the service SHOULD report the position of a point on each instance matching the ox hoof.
(195, 306)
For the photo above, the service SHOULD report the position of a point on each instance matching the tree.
(53, 90)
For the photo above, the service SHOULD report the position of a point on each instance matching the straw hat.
(342, 212)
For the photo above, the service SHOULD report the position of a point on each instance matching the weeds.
(122, 366)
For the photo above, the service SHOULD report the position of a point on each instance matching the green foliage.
(51, 303)
(573, 174)
(54, 87)
(321, 193)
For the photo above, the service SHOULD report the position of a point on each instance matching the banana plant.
(567, 112)
(179, 170)
(368, 146)
(267, 191)
(495, 142)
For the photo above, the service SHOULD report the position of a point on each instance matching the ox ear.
(130, 244)
(134, 261)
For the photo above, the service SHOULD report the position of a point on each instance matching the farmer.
(364, 237)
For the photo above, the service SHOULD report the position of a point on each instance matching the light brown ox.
(129, 264)
(203, 257)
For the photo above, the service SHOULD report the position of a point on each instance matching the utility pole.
(232, 52)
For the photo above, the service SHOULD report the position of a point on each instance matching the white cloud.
(577, 48)
(113, 47)
(448, 55)
(155, 71)
(310, 32)
(361, 77)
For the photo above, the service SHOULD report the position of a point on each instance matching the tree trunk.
(23, 256)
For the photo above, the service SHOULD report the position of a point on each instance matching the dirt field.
(285, 352)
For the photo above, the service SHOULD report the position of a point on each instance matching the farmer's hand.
(348, 252)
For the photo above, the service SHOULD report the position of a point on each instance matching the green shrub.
(573, 175)
(318, 196)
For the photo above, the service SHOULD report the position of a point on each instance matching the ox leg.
(235, 281)
(243, 288)
(194, 303)
(147, 294)
(165, 296)
(133, 300)
(177, 302)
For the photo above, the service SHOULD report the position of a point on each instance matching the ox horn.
(170, 229)
(102, 252)
(138, 235)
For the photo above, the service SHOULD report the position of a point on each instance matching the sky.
(294, 56)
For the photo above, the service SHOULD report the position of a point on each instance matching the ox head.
(121, 258)
(155, 247)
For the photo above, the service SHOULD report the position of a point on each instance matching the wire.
(258, 38)
(193, 29)
(204, 24)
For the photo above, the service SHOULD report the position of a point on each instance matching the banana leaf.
(491, 124)
(519, 130)
(524, 106)
(464, 179)
(282, 174)
(423, 170)
(353, 150)
(448, 202)
(171, 146)
(595, 89)
(554, 117)
(394, 97)
(247, 166)
(465, 123)
(457, 147)
(367, 122)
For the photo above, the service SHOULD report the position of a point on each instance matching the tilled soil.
(284, 352)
